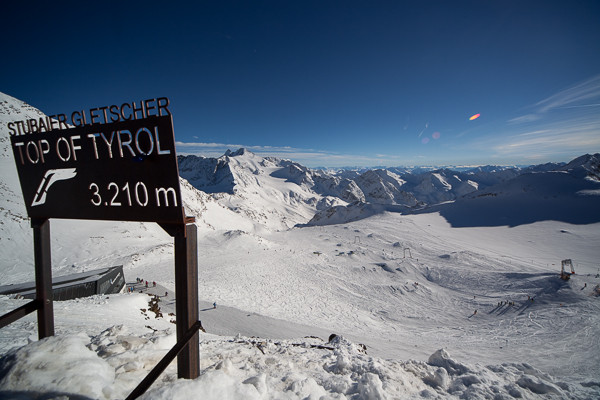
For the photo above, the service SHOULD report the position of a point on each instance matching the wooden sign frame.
(125, 170)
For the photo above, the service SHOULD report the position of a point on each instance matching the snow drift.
(109, 364)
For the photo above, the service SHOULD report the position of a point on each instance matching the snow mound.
(352, 212)
(56, 364)
(442, 359)
(111, 364)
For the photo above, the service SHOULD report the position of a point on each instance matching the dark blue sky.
(326, 83)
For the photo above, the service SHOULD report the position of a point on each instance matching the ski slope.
(404, 309)
(358, 279)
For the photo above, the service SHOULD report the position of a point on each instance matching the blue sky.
(326, 83)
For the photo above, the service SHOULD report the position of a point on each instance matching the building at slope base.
(68, 287)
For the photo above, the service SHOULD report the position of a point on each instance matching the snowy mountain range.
(338, 197)
(447, 278)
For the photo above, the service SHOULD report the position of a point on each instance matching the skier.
(214, 305)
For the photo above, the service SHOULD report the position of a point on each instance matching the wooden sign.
(124, 170)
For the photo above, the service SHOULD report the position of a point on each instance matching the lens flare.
(436, 135)
(474, 117)
(425, 140)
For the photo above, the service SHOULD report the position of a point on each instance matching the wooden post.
(186, 293)
(43, 276)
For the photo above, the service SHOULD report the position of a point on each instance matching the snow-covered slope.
(320, 182)
(109, 362)
(569, 193)
(15, 229)
(384, 187)
(441, 185)
(265, 192)
(405, 286)
(587, 166)
(571, 196)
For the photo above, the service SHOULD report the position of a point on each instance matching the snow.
(109, 364)
(81, 369)
(475, 185)
(442, 181)
(421, 302)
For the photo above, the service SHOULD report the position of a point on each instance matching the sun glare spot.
(474, 117)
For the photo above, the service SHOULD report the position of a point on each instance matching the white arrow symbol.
(51, 176)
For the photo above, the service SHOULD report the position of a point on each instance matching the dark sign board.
(125, 171)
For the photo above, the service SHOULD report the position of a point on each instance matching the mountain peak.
(239, 152)
(587, 165)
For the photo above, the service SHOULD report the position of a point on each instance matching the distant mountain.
(543, 167)
(384, 187)
(586, 166)
(211, 175)
(569, 194)
(267, 192)
(378, 186)
(440, 185)
(315, 197)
